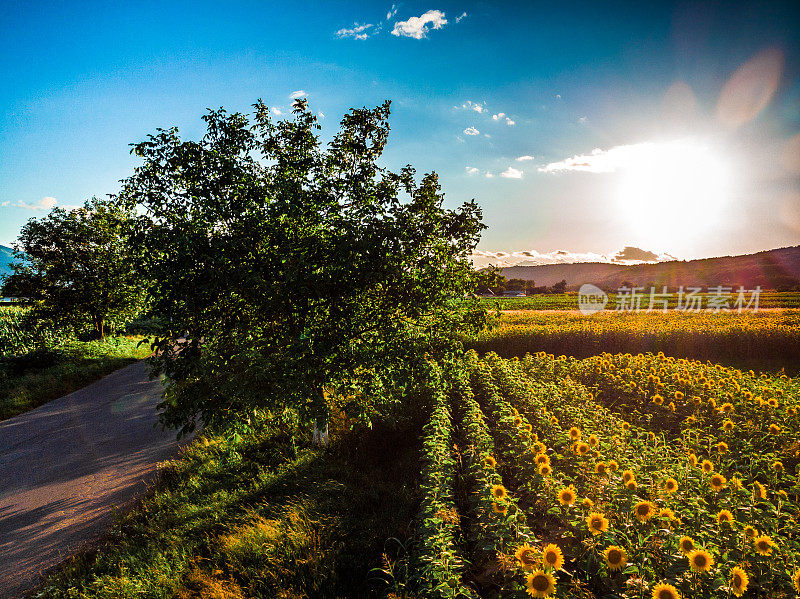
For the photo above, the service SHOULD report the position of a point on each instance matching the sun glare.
(672, 192)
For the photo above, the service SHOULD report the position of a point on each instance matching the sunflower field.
(615, 476)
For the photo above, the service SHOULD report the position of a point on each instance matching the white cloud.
(418, 27)
(489, 175)
(481, 259)
(357, 32)
(321, 114)
(391, 13)
(45, 203)
(471, 131)
(558, 96)
(276, 111)
(524, 158)
(476, 106)
(461, 16)
(583, 119)
(471, 170)
(502, 116)
(298, 94)
(511, 173)
(604, 161)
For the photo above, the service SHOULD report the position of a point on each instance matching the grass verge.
(79, 364)
(252, 514)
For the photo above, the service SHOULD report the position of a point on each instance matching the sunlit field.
(766, 340)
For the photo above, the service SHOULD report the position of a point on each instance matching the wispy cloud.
(357, 31)
(461, 16)
(476, 106)
(418, 27)
(471, 131)
(300, 93)
(276, 111)
(511, 173)
(489, 175)
(502, 117)
(471, 170)
(45, 203)
(602, 161)
(524, 158)
(390, 15)
(628, 255)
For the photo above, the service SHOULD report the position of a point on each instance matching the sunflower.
(665, 591)
(696, 400)
(552, 556)
(712, 402)
(489, 462)
(774, 429)
(667, 513)
(597, 523)
(526, 556)
(763, 545)
(517, 421)
(759, 491)
(686, 545)
(616, 557)
(613, 466)
(644, 510)
(679, 395)
(631, 485)
(625, 426)
(727, 407)
(658, 400)
(553, 420)
(499, 492)
(773, 403)
(700, 560)
(574, 433)
(670, 485)
(725, 517)
(540, 584)
(587, 503)
(534, 436)
(717, 482)
(499, 508)
(627, 475)
(582, 448)
(777, 466)
(538, 447)
(600, 468)
(727, 425)
(691, 420)
(749, 531)
(722, 447)
(692, 460)
(544, 469)
(796, 580)
(671, 406)
(567, 496)
(707, 466)
(541, 458)
(594, 441)
(739, 581)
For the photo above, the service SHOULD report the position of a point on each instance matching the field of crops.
(759, 340)
(535, 484)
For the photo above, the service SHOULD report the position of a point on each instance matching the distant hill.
(773, 269)
(6, 257)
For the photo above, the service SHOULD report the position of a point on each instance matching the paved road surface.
(66, 464)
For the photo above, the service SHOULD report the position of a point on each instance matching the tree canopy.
(77, 267)
(286, 268)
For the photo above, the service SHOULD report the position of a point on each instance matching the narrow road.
(65, 465)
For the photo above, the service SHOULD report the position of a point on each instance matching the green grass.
(78, 364)
(254, 514)
(569, 301)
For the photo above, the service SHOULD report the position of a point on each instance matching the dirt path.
(65, 465)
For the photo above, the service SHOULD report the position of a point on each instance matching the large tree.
(77, 267)
(287, 269)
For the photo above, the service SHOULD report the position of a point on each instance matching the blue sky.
(475, 87)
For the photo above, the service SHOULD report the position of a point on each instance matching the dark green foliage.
(77, 269)
(293, 269)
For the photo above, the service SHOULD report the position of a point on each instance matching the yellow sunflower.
(616, 557)
(759, 491)
(735, 483)
(679, 395)
(665, 591)
(686, 545)
(707, 466)
(667, 513)
(499, 508)
(627, 475)
(763, 545)
(727, 407)
(600, 468)
(774, 429)
(796, 580)
(489, 462)
(567, 496)
(499, 492)
(777, 466)
(541, 458)
(751, 532)
(725, 517)
(517, 421)
(582, 448)
(552, 557)
(538, 447)
(594, 440)
(700, 560)
(553, 420)
(631, 485)
(528, 428)
(717, 482)
(658, 400)
(644, 510)
(727, 425)
(597, 523)
(739, 581)
(670, 485)
(692, 460)
(534, 436)
(540, 584)
(625, 426)
(544, 469)
(613, 466)
(574, 433)
(691, 420)
(526, 556)
(671, 406)
(587, 503)
(722, 447)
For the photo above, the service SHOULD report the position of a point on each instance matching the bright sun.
(672, 192)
